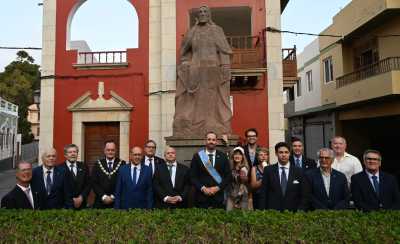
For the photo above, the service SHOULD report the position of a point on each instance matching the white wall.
(306, 61)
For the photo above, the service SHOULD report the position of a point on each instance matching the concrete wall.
(308, 60)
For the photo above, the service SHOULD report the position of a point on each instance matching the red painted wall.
(131, 83)
(250, 106)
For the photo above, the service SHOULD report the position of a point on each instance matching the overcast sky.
(21, 24)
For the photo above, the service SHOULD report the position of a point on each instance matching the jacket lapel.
(290, 179)
(21, 195)
(381, 185)
(276, 177)
(321, 183)
(368, 183)
(332, 184)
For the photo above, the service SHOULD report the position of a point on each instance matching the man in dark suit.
(329, 188)
(104, 176)
(210, 174)
(373, 189)
(171, 183)
(250, 149)
(134, 184)
(78, 175)
(298, 159)
(22, 196)
(51, 182)
(150, 159)
(284, 187)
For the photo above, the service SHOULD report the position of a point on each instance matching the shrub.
(198, 226)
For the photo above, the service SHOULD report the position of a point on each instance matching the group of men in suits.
(147, 181)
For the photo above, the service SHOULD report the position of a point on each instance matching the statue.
(203, 85)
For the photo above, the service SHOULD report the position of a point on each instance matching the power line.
(21, 48)
(272, 29)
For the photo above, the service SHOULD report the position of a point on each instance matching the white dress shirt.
(326, 178)
(286, 168)
(147, 163)
(137, 171)
(371, 180)
(74, 168)
(45, 175)
(348, 165)
(29, 196)
(214, 154)
(300, 158)
(173, 174)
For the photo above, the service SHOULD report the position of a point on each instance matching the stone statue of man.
(203, 85)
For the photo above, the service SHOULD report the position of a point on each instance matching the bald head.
(136, 155)
(170, 154)
(49, 157)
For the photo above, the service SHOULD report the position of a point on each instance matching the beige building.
(360, 79)
(33, 118)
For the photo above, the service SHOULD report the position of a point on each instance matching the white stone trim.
(275, 77)
(48, 68)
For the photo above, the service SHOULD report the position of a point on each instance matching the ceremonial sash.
(208, 165)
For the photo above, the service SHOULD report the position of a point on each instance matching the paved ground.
(7, 181)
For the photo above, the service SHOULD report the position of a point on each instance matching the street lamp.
(36, 97)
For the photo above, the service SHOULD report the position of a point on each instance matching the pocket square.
(296, 182)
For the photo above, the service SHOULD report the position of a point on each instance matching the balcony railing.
(248, 52)
(383, 66)
(106, 57)
(289, 67)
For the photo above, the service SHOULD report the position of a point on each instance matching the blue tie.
(376, 184)
(283, 180)
(298, 163)
(49, 183)
(134, 176)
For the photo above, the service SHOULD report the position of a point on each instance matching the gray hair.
(46, 151)
(70, 146)
(330, 152)
(372, 151)
(167, 148)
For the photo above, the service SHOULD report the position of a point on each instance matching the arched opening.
(102, 30)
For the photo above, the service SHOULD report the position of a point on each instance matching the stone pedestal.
(186, 147)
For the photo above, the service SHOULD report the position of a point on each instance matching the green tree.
(17, 83)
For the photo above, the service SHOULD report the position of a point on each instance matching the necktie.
(72, 165)
(283, 180)
(49, 183)
(151, 165)
(28, 195)
(170, 169)
(210, 157)
(376, 184)
(134, 174)
(110, 163)
(298, 163)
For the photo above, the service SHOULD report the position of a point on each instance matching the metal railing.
(380, 67)
(105, 57)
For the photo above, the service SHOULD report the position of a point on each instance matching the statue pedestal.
(186, 147)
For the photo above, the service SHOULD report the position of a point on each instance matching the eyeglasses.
(324, 158)
(373, 159)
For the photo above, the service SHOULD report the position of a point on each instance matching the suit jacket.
(297, 194)
(162, 185)
(16, 199)
(128, 195)
(60, 195)
(365, 197)
(157, 161)
(80, 184)
(306, 163)
(200, 177)
(101, 183)
(339, 194)
(247, 155)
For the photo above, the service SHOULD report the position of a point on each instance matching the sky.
(21, 24)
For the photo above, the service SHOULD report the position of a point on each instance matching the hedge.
(198, 226)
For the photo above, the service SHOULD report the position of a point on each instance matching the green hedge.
(196, 225)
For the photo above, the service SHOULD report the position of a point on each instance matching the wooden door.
(95, 136)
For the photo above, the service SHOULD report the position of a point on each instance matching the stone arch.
(134, 25)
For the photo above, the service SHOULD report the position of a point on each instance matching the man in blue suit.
(134, 184)
(50, 182)
(372, 188)
(329, 189)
